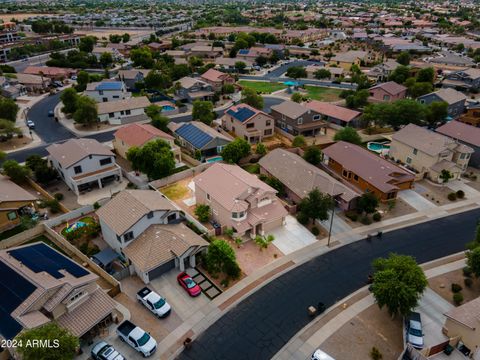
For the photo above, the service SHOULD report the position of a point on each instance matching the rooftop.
(462, 132)
(334, 111)
(72, 151)
(140, 134)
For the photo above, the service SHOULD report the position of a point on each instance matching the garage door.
(161, 270)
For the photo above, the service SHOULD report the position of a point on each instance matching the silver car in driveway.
(413, 327)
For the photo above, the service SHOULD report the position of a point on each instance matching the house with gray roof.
(297, 119)
(466, 134)
(455, 100)
(191, 89)
(467, 79)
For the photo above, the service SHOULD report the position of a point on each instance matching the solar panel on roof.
(109, 85)
(40, 257)
(194, 135)
(242, 114)
(243, 51)
(14, 290)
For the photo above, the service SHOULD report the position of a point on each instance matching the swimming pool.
(378, 147)
(168, 107)
(214, 159)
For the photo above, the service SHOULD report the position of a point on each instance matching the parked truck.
(154, 302)
(137, 338)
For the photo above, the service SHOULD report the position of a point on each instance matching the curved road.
(259, 326)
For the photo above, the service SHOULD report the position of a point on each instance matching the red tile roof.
(139, 134)
(332, 110)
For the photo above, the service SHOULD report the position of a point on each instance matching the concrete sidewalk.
(307, 341)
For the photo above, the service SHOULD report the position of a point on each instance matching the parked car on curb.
(137, 338)
(189, 284)
(413, 327)
(105, 351)
(51, 113)
(30, 124)
(154, 302)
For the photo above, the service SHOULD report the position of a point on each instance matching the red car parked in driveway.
(188, 284)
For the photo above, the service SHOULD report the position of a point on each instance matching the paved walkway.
(301, 347)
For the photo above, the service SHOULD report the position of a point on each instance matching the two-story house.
(387, 92)
(239, 200)
(467, 79)
(471, 116)
(217, 79)
(465, 134)
(335, 114)
(455, 100)
(40, 285)
(13, 201)
(428, 153)
(107, 90)
(352, 57)
(382, 72)
(84, 163)
(297, 119)
(191, 89)
(248, 123)
(132, 77)
(10, 88)
(146, 228)
(124, 111)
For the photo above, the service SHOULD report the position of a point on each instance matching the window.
(462, 156)
(128, 236)
(208, 197)
(300, 121)
(111, 115)
(119, 238)
(283, 117)
(127, 112)
(105, 99)
(391, 195)
(116, 97)
(409, 160)
(150, 215)
(355, 177)
(122, 112)
(268, 132)
(77, 169)
(316, 117)
(12, 215)
(386, 97)
(238, 215)
(415, 151)
(345, 173)
(250, 125)
(105, 161)
(76, 296)
(100, 92)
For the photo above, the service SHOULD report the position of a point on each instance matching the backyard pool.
(380, 148)
(214, 159)
(168, 108)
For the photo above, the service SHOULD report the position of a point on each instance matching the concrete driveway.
(416, 200)
(292, 236)
(460, 185)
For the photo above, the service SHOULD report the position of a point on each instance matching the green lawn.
(262, 86)
(252, 168)
(323, 93)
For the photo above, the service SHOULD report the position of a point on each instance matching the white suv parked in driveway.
(413, 327)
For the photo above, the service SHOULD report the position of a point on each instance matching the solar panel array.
(109, 85)
(194, 135)
(40, 257)
(242, 114)
(243, 51)
(14, 290)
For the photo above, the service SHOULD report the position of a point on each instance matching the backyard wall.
(156, 184)
(46, 194)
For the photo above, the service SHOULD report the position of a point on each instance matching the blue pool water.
(168, 107)
(378, 147)
(214, 159)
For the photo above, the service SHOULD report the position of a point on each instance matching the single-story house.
(14, 202)
(124, 111)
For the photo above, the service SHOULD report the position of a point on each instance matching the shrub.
(460, 194)
(58, 196)
(468, 282)
(96, 205)
(456, 288)
(457, 298)
(352, 215)
(452, 196)
(467, 271)
(315, 231)
(302, 218)
(377, 216)
(203, 212)
(365, 220)
(253, 160)
(375, 354)
(229, 232)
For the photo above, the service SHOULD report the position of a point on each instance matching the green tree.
(106, 59)
(404, 58)
(261, 149)
(221, 257)
(240, 66)
(68, 344)
(296, 97)
(322, 74)
(261, 60)
(86, 111)
(445, 176)
(348, 134)
(155, 159)
(358, 99)
(437, 112)
(43, 173)
(296, 72)
(228, 89)
(203, 111)
(250, 97)
(142, 58)
(473, 261)
(69, 98)
(157, 80)
(126, 37)
(83, 78)
(8, 129)
(400, 74)
(161, 122)
(316, 205)
(398, 283)
(263, 241)
(299, 141)
(236, 150)
(8, 109)
(87, 43)
(16, 172)
(367, 203)
(426, 75)
(202, 212)
(2, 156)
(419, 88)
(313, 155)
(179, 71)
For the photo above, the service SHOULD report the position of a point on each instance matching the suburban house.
(206, 51)
(465, 134)
(428, 153)
(124, 111)
(367, 171)
(382, 72)
(10, 88)
(297, 119)
(200, 138)
(14, 202)
(352, 57)
(335, 114)
(299, 177)
(51, 72)
(140, 134)
(253, 53)
(84, 163)
(335, 72)
(191, 89)
(131, 77)
(146, 228)
(387, 92)
(98, 51)
(217, 79)
(239, 200)
(463, 323)
(33, 83)
(107, 90)
(229, 63)
(467, 79)
(248, 123)
(40, 285)
(471, 116)
(455, 100)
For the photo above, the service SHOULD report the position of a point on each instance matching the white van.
(320, 355)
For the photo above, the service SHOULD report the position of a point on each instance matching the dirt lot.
(15, 143)
(372, 327)
(442, 285)
(8, 17)
(437, 194)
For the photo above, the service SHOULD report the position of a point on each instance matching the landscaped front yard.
(323, 93)
(262, 86)
(442, 285)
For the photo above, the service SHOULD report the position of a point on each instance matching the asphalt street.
(259, 326)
